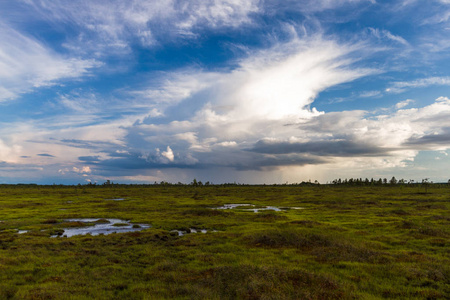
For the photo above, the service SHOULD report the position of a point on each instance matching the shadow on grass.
(325, 247)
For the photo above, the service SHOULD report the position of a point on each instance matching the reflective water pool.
(101, 226)
(256, 209)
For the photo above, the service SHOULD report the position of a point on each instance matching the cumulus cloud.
(168, 154)
(26, 64)
(218, 116)
(383, 141)
(215, 117)
(336, 148)
(82, 170)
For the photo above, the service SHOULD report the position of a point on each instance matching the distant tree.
(393, 181)
(425, 183)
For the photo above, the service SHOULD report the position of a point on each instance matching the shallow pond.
(101, 226)
(256, 209)
(191, 230)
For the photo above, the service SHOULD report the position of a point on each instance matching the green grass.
(386, 242)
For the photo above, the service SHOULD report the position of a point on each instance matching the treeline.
(197, 183)
(380, 181)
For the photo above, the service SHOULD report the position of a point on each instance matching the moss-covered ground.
(344, 243)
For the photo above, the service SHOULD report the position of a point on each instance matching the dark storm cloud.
(431, 139)
(319, 148)
(216, 159)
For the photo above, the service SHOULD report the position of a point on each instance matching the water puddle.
(101, 226)
(231, 206)
(255, 208)
(191, 230)
(22, 231)
(116, 199)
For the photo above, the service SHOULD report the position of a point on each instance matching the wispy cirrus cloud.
(401, 86)
(26, 64)
(385, 34)
(117, 24)
(314, 6)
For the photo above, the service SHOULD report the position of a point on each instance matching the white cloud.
(400, 86)
(311, 6)
(9, 153)
(385, 34)
(223, 112)
(81, 103)
(369, 94)
(404, 103)
(271, 84)
(115, 23)
(82, 170)
(168, 154)
(173, 88)
(26, 64)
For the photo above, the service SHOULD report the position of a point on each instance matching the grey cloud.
(438, 118)
(341, 148)
(335, 122)
(236, 159)
(89, 158)
(265, 162)
(86, 144)
(45, 155)
(5, 166)
(431, 139)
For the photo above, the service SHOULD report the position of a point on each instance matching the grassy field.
(326, 242)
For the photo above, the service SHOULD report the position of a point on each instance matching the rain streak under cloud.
(223, 91)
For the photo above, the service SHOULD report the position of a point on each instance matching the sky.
(255, 91)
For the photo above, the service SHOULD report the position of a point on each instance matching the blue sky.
(257, 91)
